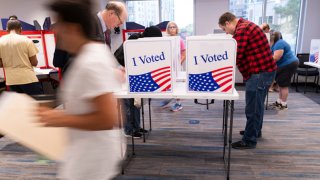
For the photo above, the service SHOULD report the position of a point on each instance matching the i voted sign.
(149, 65)
(314, 51)
(211, 64)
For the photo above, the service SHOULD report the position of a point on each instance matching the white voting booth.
(151, 64)
(211, 64)
(314, 51)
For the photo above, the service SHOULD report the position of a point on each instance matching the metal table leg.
(142, 109)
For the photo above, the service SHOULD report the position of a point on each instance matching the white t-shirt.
(93, 155)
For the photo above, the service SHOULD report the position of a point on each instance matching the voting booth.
(211, 64)
(151, 64)
(314, 51)
(45, 42)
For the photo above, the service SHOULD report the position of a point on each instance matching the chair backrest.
(303, 57)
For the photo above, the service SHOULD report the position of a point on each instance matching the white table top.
(312, 64)
(180, 92)
(40, 71)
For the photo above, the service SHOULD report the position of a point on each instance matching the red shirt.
(253, 50)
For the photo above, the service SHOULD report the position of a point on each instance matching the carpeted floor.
(188, 145)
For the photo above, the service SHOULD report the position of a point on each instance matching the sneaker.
(165, 103)
(176, 107)
(274, 105)
(242, 145)
(242, 133)
(143, 131)
(136, 135)
(282, 107)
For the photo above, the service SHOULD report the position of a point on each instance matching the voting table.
(153, 71)
(180, 92)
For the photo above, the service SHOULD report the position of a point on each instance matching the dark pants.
(132, 116)
(256, 90)
(30, 89)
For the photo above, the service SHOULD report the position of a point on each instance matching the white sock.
(283, 103)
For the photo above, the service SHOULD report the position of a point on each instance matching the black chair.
(306, 71)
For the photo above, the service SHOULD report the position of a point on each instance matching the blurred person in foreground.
(90, 110)
(287, 64)
(255, 62)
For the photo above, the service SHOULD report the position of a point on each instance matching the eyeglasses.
(172, 27)
(120, 21)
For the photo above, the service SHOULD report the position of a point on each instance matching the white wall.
(207, 13)
(29, 10)
(310, 25)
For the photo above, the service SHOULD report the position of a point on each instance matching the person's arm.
(278, 54)
(104, 118)
(183, 56)
(33, 60)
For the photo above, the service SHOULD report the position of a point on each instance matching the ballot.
(19, 121)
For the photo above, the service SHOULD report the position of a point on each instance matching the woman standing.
(287, 64)
(173, 30)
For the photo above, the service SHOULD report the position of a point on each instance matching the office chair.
(306, 71)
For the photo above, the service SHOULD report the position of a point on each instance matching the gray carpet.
(188, 145)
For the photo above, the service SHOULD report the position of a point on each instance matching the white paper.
(18, 121)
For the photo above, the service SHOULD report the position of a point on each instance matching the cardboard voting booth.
(45, 42)
(151, 64)
(211, 64)
(314, 51)
(18, 121)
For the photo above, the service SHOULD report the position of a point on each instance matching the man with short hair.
(255, 62)
(114, 15)
(265, 27)
(13, 17)
(17, 57)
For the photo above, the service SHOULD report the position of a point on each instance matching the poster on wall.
(211, 64)
(149, 65)
(314, 51)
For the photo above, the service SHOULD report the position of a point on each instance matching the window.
(281, 15)
(152, 12)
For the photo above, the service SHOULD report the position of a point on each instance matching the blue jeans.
(30, 89)
(256, 90)
(132, 116)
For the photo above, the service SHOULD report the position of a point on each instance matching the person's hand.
(121, 73)
(50, 117)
